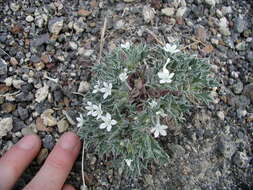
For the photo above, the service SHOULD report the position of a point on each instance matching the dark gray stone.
(23, 113)
(58, 95)
(250, 56)
(27, 87)
(3, 37)
(17, 125)
(53, 85)
(20, 55)
(25, 97)
(239, 101)
(48, 142)
(42, 106)
(248, 91)
(35, 59)
(42, 39)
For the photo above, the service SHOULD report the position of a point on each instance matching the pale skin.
(52, 174)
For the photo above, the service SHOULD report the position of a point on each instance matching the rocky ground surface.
(46, 48)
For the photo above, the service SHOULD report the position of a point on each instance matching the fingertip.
(29, 142)
(14, 161)
(71, 135)
(68, 187)
(70, 142)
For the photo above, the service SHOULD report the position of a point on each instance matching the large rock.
(48, 119)
(83, 87)
(240, 24)
(55, 25)
(168, 11)
(148, 14)
(5, 126)
(223, 27)
(62, 125)
(181, 11)
(201, 33)
(41, 94)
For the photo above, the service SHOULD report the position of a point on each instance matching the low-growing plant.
(136, 93)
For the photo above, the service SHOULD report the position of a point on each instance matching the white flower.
(94, 110)
(159, 129)
(108, 122)
(90, 108)
(153, 104)
(107, 89)
(128, 162)
(171, 48)
(80, 121)
(164, 75)
(123, 76)
(97, 111)
(161, 113)
(125, 45)
(96, 88)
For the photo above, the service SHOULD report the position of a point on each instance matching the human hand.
(53, 173)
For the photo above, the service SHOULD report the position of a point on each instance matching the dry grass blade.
(83, 166)
(102, 40)
(5, 52)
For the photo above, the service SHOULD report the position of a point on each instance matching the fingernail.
(68, 141)
(27, 142)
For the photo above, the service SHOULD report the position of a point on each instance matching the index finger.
(14, 162)
(58, 164)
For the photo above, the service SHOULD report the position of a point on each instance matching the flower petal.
(108, 116)
(89, 113)
(114, 122)
(152, 130)
(156, 133)
(171, 75)
(103, 90)
(163, 127)
(102, 126)
(163, 132)
(109, 127)
(105, 95)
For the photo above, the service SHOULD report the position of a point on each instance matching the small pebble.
(29, 18)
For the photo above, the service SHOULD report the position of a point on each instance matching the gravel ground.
(46, 48)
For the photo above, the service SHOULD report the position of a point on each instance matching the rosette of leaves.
(136, 93)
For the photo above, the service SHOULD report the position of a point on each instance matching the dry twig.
(155, 37)
(195, 41)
